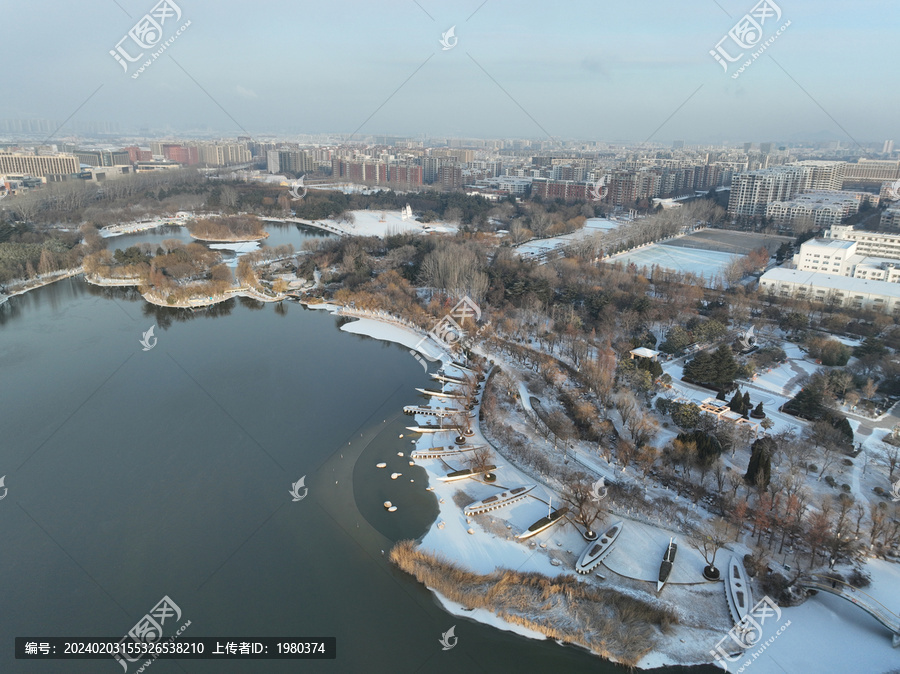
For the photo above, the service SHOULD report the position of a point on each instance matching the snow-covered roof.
(644, 352)
(832, 281)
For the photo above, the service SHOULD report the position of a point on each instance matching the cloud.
(245, 93)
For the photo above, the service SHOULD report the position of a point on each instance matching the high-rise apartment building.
(188, 156)
(293, 161)
(450, 177)
(751, 192)
(431, 167)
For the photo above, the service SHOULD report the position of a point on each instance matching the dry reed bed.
(613, 625)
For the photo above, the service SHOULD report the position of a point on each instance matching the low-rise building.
(820, 208)
(879, 244)
(835, 256)
(890, 218)
(845, 291)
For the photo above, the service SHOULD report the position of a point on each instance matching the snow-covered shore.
(824, 634)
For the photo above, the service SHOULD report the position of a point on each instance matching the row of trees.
(118, 200)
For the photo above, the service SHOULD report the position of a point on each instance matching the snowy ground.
(706, 263)
(390, 332)
(132, 227)
(541, 246)
(829, 634)
(825, 634)
(369, 223)
(784, 379)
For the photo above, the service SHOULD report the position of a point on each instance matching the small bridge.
(865, 601)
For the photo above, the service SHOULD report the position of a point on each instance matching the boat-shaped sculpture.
(597, 550)
(498, 500)
(737, 590)
(443, 452)
(665, 569)
(449, 380)
(464, 473)
(544, 523)
(454, 395)
(431, 428)
(429, 411)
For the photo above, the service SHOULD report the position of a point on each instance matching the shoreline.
(191, 302)
(484, 543)
(59, 276)
(475, 556)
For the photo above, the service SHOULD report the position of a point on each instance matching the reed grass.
(614, 625)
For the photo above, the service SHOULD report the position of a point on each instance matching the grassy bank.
(613, 625)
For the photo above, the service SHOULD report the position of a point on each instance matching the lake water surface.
(136, 474)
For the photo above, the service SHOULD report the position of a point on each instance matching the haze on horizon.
(575, 70)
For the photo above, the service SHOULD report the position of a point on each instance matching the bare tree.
(626, 406)
(641, 428)
(869, 389)
(586, 506)
(480, 460)
(719, 474)
(891, 458)
(708, 540)
(735, 482)
(456, 270)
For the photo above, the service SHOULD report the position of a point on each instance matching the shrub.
(859, 578)
(845, 487)
(170, 299)
(878, 490)
(847, 462)
(830, 351)
(813, 468)
(774, 585)
(829, 480)
(749, 565)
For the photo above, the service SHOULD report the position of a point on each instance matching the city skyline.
(530, 71)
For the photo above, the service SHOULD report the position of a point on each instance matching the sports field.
(706, 263)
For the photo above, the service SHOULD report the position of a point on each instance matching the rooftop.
(831, 281)
(829, 244)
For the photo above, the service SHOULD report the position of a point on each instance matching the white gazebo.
(643, 352)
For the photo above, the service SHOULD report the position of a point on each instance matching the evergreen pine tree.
(723, 367)
(737, 403)
(760, 466)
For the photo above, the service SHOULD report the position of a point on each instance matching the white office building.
(877, 244)
(838, 290)
(835, 256)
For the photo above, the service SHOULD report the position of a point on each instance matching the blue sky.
(572, 69)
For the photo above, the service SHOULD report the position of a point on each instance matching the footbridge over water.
(865, 601)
